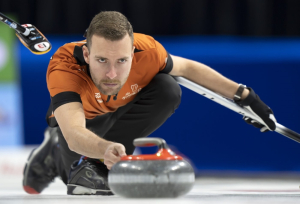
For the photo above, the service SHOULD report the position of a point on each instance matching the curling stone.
(160, 175)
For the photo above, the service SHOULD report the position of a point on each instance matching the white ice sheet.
(263, 189)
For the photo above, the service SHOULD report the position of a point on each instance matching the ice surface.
(264, 189)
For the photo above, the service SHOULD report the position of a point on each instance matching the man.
(105, 92)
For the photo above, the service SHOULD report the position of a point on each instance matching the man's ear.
(132, 53)
(86, 54)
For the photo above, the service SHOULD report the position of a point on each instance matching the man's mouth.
(111, 85)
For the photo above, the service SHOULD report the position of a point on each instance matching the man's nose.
(111, 73)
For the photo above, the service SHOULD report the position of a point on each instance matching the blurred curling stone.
(160, 175)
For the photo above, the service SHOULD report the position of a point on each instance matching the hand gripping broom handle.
(233, 106)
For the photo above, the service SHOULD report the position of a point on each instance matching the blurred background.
(254, 42)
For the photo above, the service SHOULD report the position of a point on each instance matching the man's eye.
(102, 60)
(122, 60)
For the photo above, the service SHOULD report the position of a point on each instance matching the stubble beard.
(109, 91)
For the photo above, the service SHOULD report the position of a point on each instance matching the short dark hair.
(111, 25)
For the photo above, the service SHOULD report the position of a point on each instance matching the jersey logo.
(98, 97)
(135, 89)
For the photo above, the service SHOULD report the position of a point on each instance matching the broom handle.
(233, 106)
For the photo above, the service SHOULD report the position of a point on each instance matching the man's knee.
(167, 90)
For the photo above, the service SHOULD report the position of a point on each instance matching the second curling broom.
(29, 36)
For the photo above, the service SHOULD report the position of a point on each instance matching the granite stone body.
(151, 178)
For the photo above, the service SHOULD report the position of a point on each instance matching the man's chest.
(95, 103)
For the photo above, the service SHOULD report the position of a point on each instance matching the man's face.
(110, 62)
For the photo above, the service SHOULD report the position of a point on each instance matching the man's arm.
(209, 78)
(205, 76)
(71, 120)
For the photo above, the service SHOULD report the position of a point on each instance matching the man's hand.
(113, 154)
(253, 103)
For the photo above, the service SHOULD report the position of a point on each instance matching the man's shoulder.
(143, 42)
(68, 48)
(68, 59)
(70, 53)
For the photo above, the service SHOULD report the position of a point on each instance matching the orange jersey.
(68, 76)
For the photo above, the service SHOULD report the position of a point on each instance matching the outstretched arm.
(205, 76)
(209, 78)
(71, 120)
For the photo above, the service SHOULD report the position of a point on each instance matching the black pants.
(151, 107)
